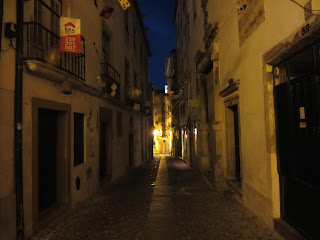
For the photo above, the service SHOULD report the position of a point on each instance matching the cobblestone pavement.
(120, 211)
(117, 212)
(203, 214)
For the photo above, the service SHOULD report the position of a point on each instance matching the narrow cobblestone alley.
(190, 210)
(204, 214)
(117, 211)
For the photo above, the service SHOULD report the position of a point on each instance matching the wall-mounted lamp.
(66, 87)
(155, 132)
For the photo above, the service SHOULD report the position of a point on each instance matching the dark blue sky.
(161, 34)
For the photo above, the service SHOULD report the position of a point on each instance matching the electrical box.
(10, 30)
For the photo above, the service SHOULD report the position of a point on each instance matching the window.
(47, 17)
(134, 39)
(188, 29)
(135, 80)
(126, 74)
(126, 21)
(54, 21)
(194, 10)
(78, 138)
(119, 124)
(106, 47)
(182, 109)
(1, 15)
(38, 16)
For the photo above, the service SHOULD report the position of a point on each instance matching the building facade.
(162, 118)
(172, 83)
(248, 80)
(86, 117)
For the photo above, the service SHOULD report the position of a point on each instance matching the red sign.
(70, 35)
(106, 12)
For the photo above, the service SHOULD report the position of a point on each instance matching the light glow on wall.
(156, 132)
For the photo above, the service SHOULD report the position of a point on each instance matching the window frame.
(106, 50)
(134, 39)
(126, 21)
(42, 12)
(135, 79)
(1, 18)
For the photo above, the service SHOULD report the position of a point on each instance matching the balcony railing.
(111, 79)
(42, 44)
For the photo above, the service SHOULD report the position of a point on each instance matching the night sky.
(161, 34)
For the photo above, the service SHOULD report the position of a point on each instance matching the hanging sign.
(106, 12)
(124, 4)
(70, 35)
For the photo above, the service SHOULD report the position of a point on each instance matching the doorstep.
(286, 231)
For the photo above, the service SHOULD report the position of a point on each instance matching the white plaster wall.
(245, 63)
(7, 81)
(79, 101)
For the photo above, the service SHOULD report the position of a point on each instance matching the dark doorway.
(103, 151)
(105, 162)
(234, 109)
(131, 150)
(298, 141)
(297, 109)
(47, 158)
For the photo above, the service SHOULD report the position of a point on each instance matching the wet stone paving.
(204, 214)
(120, 211)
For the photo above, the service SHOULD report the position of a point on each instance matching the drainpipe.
(18, 123)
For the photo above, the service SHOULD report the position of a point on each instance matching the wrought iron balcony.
(111, 79)
(42, 44)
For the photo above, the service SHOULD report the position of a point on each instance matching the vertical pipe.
(1, 16)
(28, 40)
(18, 123)
(84, 59)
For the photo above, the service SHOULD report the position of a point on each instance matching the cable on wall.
(307, 9)
(228, 15)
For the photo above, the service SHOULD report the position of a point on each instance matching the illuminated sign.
(124, 4)
(70, 35)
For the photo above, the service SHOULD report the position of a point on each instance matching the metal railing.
(42, 44)
(110, 71)
(111, 78)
